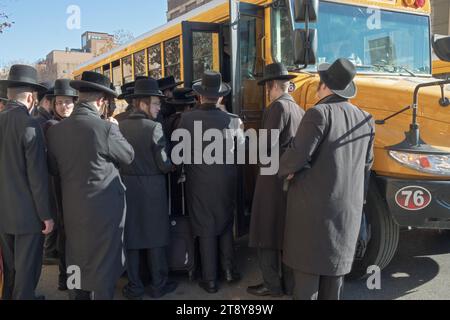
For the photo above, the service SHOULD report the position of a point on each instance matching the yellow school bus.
(441, 69)
(390, 43)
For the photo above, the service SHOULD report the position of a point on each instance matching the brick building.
(176, 8)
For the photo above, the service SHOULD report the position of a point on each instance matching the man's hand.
(113, 120)
(290, 177)
(49, 224)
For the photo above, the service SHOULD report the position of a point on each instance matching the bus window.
(127, 69)
(139, 63)
(98, 70)
(154, 62)
(172, 66)
(107, 71)
(202, 53)
(116, 74)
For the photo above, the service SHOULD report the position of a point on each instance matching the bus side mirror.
(441, 48)
(305, 47)
(306, 10)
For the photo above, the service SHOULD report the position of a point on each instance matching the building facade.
(176, 8)
(440, 17)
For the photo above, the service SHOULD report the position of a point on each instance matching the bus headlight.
(430, 163)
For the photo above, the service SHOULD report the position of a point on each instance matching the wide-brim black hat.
(182, 96)
(63, 88)
(21, 75)
(168, 83)
(145, 88)
(93, 81)
(276, 71)
(212, 85)
(338, 77)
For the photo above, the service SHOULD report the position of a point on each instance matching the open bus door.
(209, 46)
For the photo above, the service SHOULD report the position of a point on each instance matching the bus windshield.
(374, 40)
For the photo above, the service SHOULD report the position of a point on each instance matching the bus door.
(251, 97)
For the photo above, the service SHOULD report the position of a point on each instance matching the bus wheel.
(384, 233)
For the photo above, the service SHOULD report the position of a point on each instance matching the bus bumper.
(421, 203)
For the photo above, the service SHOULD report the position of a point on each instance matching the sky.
(40, 26)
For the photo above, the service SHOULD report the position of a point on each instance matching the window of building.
(127, 69)
(172, 65)
(154, 62)
(139, 64)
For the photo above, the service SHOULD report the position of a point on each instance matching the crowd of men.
(93, 189)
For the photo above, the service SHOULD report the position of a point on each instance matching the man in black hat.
(44, 111)
(328, 167)
(147, 223)
(24, 203)
(167, 85)
(126, 90)
(269, 203)
(3, 98)
(64, 99)
(86, 152)
(211, 188)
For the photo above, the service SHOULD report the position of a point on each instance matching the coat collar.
(208, 106)
(44, 113)
(332, 99)
(13, 104)
(85, 108)
(138, 114)
(284, 96)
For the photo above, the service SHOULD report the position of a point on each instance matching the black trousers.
(277, 276)
(317, 287)
(211, 248)
(158, 267)
(22, 264)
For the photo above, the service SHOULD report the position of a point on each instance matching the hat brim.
(225, 90)
(13, 84)
(3, 99)
(286, 77)
(171, 86)
(181, 102)
(145, 95)
(80, 85)
(347, 93)
(123, 96)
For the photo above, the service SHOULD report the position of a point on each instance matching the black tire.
(384, 234)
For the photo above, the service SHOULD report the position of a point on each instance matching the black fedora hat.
(21, 75)
(63, 88)
(50, 87)
(3, 94)
(212, 85)
(339, 77)
(128, 88)
(182, 96)
(168, 83)
(145, 88)
(276, 71)
(93, 81)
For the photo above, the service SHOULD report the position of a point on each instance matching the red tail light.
(420, 3)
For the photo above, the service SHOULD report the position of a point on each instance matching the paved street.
(420, 270)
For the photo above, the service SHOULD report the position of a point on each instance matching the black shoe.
(262, 291)
(169, 287)
(50, 261)
(130, 295)
(208, 286)
(62, 283)
(232, 276)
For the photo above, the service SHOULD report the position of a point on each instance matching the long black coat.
(210, 189)
(331, 156)
(86, 151)
(269, 202)
(147, 223)
(24, 201)
(42, 116)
